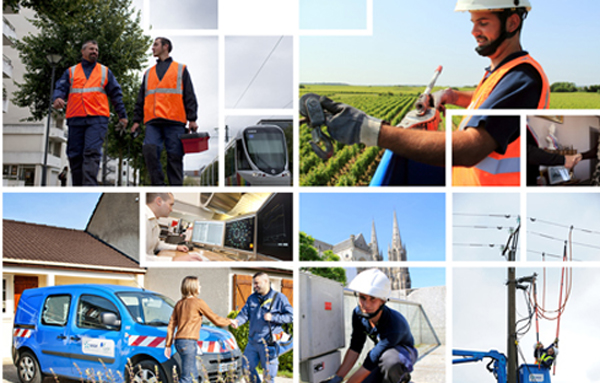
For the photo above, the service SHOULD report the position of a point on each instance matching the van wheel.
(146, 371)
(28, 368)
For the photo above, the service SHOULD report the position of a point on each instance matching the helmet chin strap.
(372, 315)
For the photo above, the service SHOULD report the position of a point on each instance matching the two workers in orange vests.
(166, 102)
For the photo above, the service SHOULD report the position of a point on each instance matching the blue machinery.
(528, 373)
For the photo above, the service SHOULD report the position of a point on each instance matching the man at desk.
(161, 205)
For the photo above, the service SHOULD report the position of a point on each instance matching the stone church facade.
(356, 249)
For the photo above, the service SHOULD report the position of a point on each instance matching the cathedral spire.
(396, 240)
(374, 246)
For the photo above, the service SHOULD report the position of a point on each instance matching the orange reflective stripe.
(87, 96)
(498, 169)
(164, 98)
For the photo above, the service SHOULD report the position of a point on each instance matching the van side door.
(95, 337)
(52, 334)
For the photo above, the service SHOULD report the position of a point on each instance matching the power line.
(484, 227)
(258, 71)
(562, 240)
(542, 253)
(490, 245)
(532, 219)
(487, 215)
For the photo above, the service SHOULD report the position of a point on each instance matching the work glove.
(443, 97)
(333, 379)
(349, 125)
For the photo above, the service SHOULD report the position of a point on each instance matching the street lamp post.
(53, 59)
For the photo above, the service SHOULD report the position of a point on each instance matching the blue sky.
(70, 210)
(333, 14)
(411, 38)
(332, 217)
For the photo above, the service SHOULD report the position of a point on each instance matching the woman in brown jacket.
(187, 319)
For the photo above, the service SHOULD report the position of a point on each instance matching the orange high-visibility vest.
(87, 96)
(498, 169)
(164, 98)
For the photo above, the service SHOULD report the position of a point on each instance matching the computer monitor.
(239, 234)
(274, 227)
(208, 232)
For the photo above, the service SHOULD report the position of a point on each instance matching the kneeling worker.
(392, 358)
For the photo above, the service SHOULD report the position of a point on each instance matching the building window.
(20, 173)
(56, 149)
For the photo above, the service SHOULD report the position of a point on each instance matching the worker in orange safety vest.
(87, 87)
(165, 103)
(485, 151)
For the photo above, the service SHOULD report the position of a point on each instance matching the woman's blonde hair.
(190, 286)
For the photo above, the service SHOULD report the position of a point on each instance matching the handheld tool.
(423, 116)
(310, 107)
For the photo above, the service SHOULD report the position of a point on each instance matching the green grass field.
(355, 165)
(577, 100)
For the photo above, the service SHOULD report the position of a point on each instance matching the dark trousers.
(84, 149)
(168, 135)
(395, 366)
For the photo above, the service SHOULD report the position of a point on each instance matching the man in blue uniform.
(267, 310)
(394, 354)
(86, 87)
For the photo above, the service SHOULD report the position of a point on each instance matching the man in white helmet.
(393, 357)
(485, 149)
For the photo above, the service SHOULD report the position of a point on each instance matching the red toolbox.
(195, 142)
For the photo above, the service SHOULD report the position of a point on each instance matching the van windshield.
(148, 308)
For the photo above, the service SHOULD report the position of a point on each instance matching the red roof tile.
(25, 241)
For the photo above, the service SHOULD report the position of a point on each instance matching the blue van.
(109, 332)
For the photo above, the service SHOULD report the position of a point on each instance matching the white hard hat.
(372, 282)
(483, 5)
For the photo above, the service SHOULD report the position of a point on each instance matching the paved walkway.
(432, 368)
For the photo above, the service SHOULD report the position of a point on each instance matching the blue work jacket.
(255, 309)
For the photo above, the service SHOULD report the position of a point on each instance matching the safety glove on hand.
(333, 379)
(441, 98)
(349, 125)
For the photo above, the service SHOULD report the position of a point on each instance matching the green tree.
(63, 26)
(309, 253)
(563, 87)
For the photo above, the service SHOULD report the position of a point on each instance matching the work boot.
(157, 178)
(76, 164)
(91, 165)
(175, 169)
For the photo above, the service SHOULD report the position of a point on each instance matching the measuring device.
(424, 116)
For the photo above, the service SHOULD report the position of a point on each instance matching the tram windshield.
(266, 148)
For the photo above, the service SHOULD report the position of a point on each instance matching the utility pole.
(511, 347)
